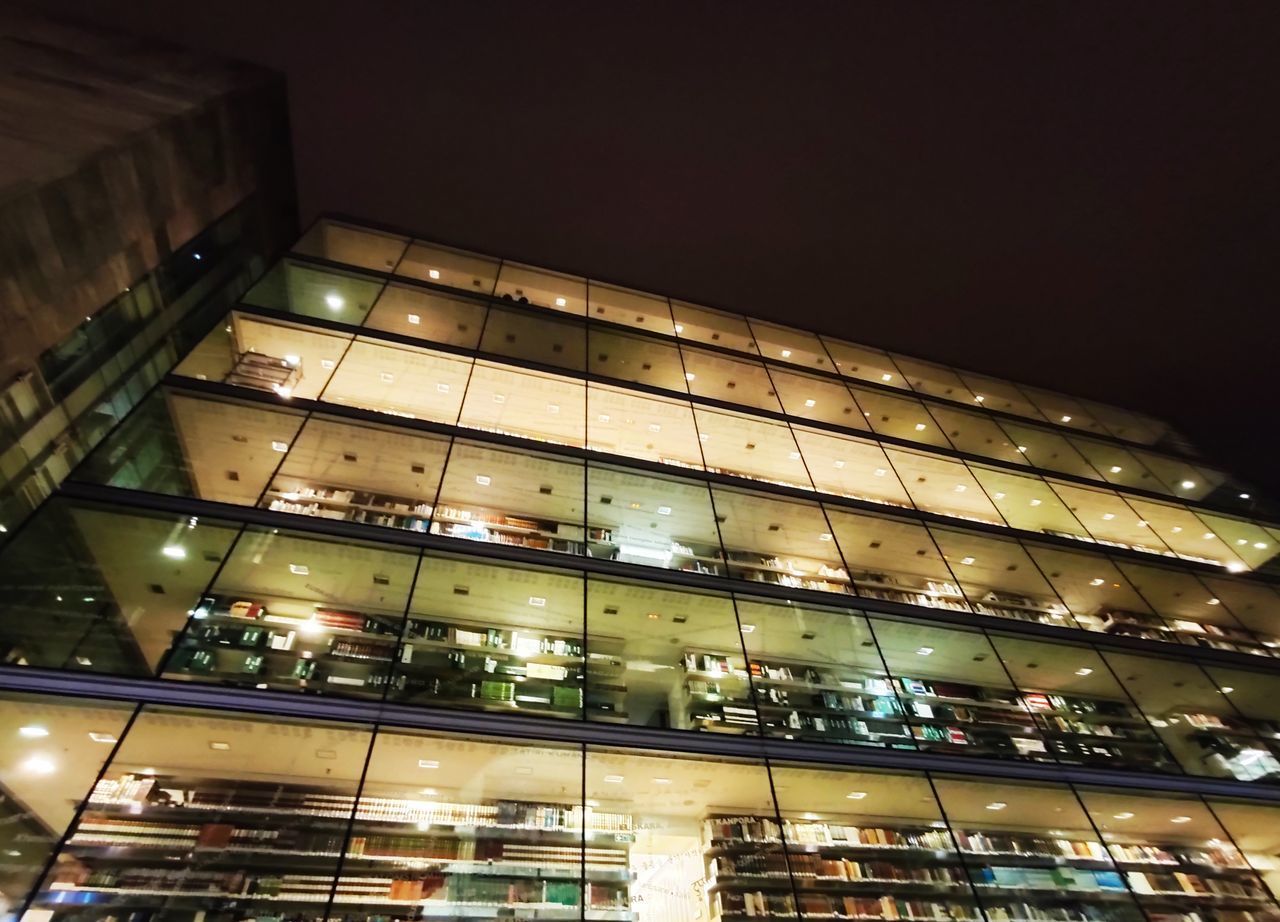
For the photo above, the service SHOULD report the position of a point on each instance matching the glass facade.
(432, 585)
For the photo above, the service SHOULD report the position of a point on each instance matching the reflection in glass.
(650, 520)
(405, 381)
(781, 541)
(642, 359)
(536, 337)
(895, 560)
(314, 291)
(446, 266)
(427, 314)
(355, 246)
(542, 288)
(529, 404)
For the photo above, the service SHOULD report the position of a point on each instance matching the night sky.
(1080, 196)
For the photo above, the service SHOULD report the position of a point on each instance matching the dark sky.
(1081, 196)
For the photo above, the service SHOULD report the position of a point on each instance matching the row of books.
(836, 869)
(1183, 883)
(758, 903)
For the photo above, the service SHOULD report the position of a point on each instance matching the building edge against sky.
(430, 585)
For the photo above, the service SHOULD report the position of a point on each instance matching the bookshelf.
(1183, 631)
(328, 501)
(187, 843)
(786, 571)
(480, 524)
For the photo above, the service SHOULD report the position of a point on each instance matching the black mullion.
(374, 730)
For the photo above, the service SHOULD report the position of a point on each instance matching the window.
(542, 288)
(426, 314)
(314, 291)
(653, 521)
(447, 266)
(529, 404)
(405, 381)
(781, 541)
(356, 246)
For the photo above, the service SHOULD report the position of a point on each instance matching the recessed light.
(979, 398)
(415, 319)
(299, 569)
(327, 364)
(689, 376)
(1036, 502)
(103, 737)
(433, 273)
(661, 780)
(1126, 815)
(553, 408)
(794, 455)
(1244, 495)
(925, 651)
(32, 731)
(1227, 689)
(825, 536)
(1236, 568)
(430, 792)
(1084, 670)
(997, 805)
(293, 360)
(428, 763)
(1242, 541)
(786, 353)
(523, 770)
(1176, 529)
(664, 510)
(537, 601)
(1214, 602)
(39, 765)
(855, 795)
(280, 446)
(1260, 545)
(1115, 469)
(960, 488)
(747, 628)
(613, 779)
(602, 418)
(1066, 419)
(174, 552)
(920, 427)
(810, 403)
(840, 464)
(561, 302)
(1108, 516)
(387, 377)
(679, 328)
(334, 300)
(499, 398)
(1208, 536)
(83, 661)
(655, 427)
(1097, 581)
(1180, 819)
(219, 746)
(1022, 448)
(442, 388)
(879, 472)
(997, 495)
(968, 561)
(483, 479)
(886, 377)
(1188, 485)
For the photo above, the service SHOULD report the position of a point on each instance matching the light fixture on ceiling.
(1036, 502)
(415, 319)
(613, 779)
(810, 403)
(1108, 516)
(1084, 670)
(32, 731)
(428, 763)
(1188, 484)
(334, 300)
(661, 780)
(561, 302)
(1097, 581)
(299, 569)
(1126, 815)
(280, 446)
(483, 479)
(997, 805)
(39, 765)
(747, 628)
(1066, 419)
(537, 601)
(839, 464)
(825, 536)
(855, 795)
(433, 273)
(103, 737)
(879, 472)
(174, 552)
(960, 488)
(967, 561)
(689, 376)
(920, 427)
(786, 353)
(1115, 468)
(664, 510)
(219, 746)
(1180, 819)
(925, 651)
(386, 377)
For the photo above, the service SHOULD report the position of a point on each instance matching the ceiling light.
(925, 651)
(433, 273)
(1066, 419)
(839, 464)
(103, 737)
(415, 319)
(174, 552)
(1175, 529)
(960, 488)
(39, 765)
(219, 746)
(855, 795)
(997, 495)
(387, 377)
(1108, 516)
(1242, 540)
(886, 377)
(428, 763)
(602, 418)
(879, 472)
(920, 427)
(679, 328)
(1084, 670)
(499, 398)
(280, 446)
(613, 779)
(661, 780)
(430, 792)
(1244, 495)
(664, 510)
(979, 398)
(442, 388)
(1214, 602)
(334, 300)
(1096, 581)
(483, 479)
(1022, 448)
(32, 731)
(1036, 502)
(654, 427)
(561, 302)
(793, 455)
(825, 536)
(553, 408)
(292, 360)
(1260, 545)
(299, 569)
(1115, 468)
(1208, 536)
(537, 601)
(810, 403)
(1236, 567)
(689, 376)
(1126, 815)
(786, 353)
(1180, 819)
(967, 560)
(747, 628)
(1188, 484)
(1227, 689)
(997, 805)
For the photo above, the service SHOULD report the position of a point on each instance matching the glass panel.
(625, 423)
(1256, 695)
(356, 246)
(870, 845)
(512, 497)
(497, 832)
(1084, 715)
(1256, 830)
(999, 578)
(665, 658)
(188, 445)
(788, 345)
(360, 473)
(52, 753)
(1176, 858)
(536, 337)
(821, 399)
(1124, 424)
(1196, 721)
(846, 466)
(1250, 543)
(999, 395)
(198, 810)
(1108, 518)
(400, 380)
(1191, 614)
(542, 288)
(1023, 870)
(956, 694)
(314, 291)
(654, 362)
(299, 614)
(426, 314)
(1180, 478)
(1187, 535)
(1115, 465)
(1255, 605)
(747, 446)
(773, 540)
(102, 588)
(976, 434)
(733, 380)
(530, 404)
(1063, 410)
(630, 308)
(1049, 450)
(936, 380)
(817, 675)
(864, 363)
(899, 417)
(492, 637)
(705, 325)
(1027, 502)
(895, 560)
(447, 266)
(689, 828)
(653, 521)
(1099, 596)
(943, 486)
